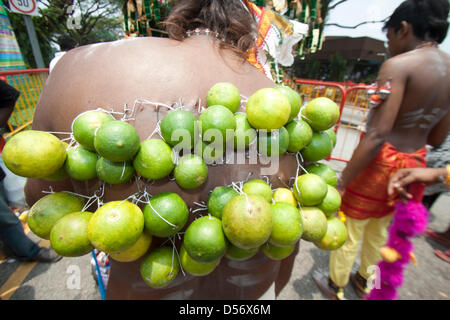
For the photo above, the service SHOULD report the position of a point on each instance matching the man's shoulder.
(418, 56)
(123, 47)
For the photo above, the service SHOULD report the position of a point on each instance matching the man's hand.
(404, 177)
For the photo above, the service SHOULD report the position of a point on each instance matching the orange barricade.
(29, 83)
(352, 122)
(354, 107)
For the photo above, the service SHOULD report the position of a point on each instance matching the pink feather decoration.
(410, 220)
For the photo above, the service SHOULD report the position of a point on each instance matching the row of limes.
(111, 149)
(238, 226)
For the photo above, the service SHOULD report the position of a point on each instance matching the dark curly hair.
(228, 18)
(428, 18)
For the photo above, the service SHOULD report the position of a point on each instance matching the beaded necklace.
(206, 32)
(429, 44)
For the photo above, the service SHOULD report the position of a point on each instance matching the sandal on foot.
(360, 285)
(444, 255)
(431, 234)
(328, 287)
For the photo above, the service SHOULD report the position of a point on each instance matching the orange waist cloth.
(366, 196)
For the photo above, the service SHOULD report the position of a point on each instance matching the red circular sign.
(23, 11)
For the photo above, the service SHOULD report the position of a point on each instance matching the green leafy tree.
(86, 21)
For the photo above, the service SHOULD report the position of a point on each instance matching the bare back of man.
(420, 81)
(113, 74)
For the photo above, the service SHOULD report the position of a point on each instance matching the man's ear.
(405, 29)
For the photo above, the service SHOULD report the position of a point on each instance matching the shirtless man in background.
(416, 113)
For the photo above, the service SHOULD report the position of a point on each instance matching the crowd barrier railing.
(29, 83)
(353, 105)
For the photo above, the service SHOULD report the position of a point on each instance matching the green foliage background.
(99, 21)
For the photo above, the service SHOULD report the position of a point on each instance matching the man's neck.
(417, 44)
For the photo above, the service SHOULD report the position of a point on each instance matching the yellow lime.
(33, 154)
(136, 251)
(284, 195)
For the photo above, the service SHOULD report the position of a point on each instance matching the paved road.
(71, 278)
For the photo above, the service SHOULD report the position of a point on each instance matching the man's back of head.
(66, 43)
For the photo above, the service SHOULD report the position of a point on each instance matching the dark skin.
(404, 177)
(418, 110)
(110, 75)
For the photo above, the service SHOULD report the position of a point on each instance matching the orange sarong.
(366, 196)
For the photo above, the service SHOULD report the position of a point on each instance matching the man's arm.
(380, 125)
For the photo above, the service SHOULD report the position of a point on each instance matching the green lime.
(310, 189)
(300, 135)
(319, 148)
(268, 109)
(218, 198)
(321, 113)
(335, 236)
(284, 195)
(314, 224)
(191, 172)
(114, 172)
(258, 187)
(238, 254)
(155, 159)
(177, 127)
(330, 132)
(294, 99)
(196, 268)
(287, 225)
(69, 236)
(85, 125)
(116, 226)
(165, 214)
(278, 140)
(136, 251)
(276, 252)
(225, 94)
(217, 122)
(331, 203)
(48, 210)
(81, 163)
(323, 171)
(204, 240)
(244, 133)
(61, 173)
(247, 221)
(160, 267)
(117, 141)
